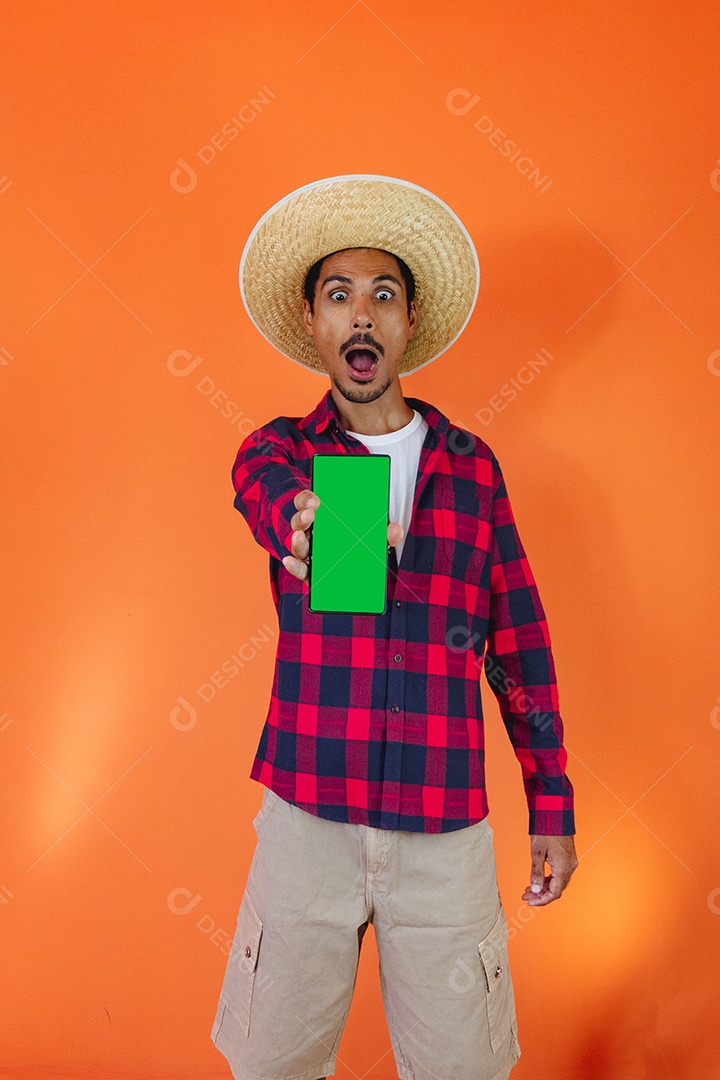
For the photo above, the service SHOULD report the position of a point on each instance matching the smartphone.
(348, 556)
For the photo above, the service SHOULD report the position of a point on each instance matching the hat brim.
(360, 210)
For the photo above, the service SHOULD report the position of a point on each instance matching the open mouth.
(362, 360)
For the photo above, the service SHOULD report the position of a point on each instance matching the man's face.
(360, 313)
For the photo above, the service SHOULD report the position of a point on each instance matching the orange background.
(129, 579)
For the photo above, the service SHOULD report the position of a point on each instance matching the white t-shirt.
(403, 446)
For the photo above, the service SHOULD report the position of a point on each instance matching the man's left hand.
(559, 851)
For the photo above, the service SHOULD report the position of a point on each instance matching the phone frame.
(332, 611)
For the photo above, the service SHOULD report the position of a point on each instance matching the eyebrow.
(348, 281)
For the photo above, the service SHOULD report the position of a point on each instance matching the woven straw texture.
(334, 215)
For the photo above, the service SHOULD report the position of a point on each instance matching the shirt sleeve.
(519, 667)
(266, 480)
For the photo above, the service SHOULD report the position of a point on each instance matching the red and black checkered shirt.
(377, 719)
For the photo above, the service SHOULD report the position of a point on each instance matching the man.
(372, 754)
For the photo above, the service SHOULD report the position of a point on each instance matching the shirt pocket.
(239, 982)
(499, 995)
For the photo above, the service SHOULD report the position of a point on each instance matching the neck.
(385, 414)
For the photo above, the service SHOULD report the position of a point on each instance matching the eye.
(386, 292)
(335, 292)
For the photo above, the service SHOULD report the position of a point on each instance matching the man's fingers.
(295, 567)
(306, 503)
(537, 867)
(557, 883)
(300, 544)
(551, 889)
(307, 497)
(297, 563)
(303, 519)
(395, 533)
(559, 852)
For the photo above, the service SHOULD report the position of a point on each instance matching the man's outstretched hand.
(559, 851)
(305, 502)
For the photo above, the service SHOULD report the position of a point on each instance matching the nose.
(361, 313)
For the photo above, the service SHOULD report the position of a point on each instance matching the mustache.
(358, 340)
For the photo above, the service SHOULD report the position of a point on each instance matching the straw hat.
(360, 211)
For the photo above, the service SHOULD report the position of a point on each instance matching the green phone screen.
(347, 570)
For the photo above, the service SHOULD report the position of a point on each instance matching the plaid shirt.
(377, 719)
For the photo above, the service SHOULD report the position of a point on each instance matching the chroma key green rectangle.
(348, 558)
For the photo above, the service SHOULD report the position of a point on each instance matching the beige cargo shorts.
(441, 935)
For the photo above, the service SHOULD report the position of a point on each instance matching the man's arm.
(266, 481)
(274, 497)
(520, 669)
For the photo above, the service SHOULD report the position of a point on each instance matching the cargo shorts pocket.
(499, 994)
(269, 801)
(241, 972)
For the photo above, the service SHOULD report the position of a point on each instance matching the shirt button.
(248, 950)
(394, 708)
(397, 657)
(498, 971)
(398, 603)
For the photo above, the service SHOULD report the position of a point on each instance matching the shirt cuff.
(552, 815)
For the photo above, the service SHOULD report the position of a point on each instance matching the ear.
(307, 318)
(412, 318)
